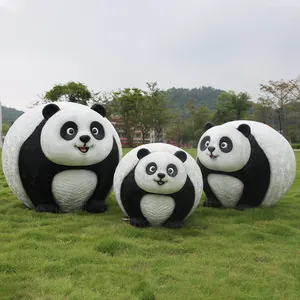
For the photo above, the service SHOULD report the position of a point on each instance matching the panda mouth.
(160, 182)
(212, 156)
(83, 149)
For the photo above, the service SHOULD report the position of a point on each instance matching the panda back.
(281, 158)
(18, 133)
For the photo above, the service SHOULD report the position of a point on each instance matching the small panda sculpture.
(158, 184)
(245, 164)
(61, 157)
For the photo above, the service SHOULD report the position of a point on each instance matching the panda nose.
(161, 175)
(211, 149)
(85, 138)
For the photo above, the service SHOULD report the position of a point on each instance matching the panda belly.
(157, 208)
(72, 188)
(227, 189)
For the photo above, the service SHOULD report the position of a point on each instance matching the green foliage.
(9, 115)
(71, 92)
(219, 254)
(295, 145)
(231, 106)
(5, 128)
(203, 96)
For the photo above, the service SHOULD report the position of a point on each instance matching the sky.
(114, 44)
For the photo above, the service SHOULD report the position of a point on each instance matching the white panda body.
(253, 152)
(155, 201)
(157, 208)
(52, 136)
(72, 188)
(227, 188)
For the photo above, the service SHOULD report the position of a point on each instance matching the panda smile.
(83, 149)
(160, 182)
(212, 156)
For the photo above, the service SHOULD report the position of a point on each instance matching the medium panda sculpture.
(245, 164)
(61, 157)
(158, 184)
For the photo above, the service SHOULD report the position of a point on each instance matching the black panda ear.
(181, 155)
(100, 109)
(208, 125)
(142, 153)
(244, 129)
(49, 110)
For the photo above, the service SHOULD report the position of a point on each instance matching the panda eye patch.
(225, 144)
(68, 131)
(172, 170)
(97, 130)
(205, 143)
(151, 168)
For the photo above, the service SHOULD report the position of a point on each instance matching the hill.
(9, 115)
(203, 96)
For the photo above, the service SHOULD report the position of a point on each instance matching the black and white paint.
(158, 184)
(245, 164)
(62, 157)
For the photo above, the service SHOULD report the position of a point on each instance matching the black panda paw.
(96, 207)
(50, 208)
(212, 202)
(173, 224)
(139, 222)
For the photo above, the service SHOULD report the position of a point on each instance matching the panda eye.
(172, 170)
(204, 143)
(151, 168)
(223, 145)
(95, 130)
(70, 131)
(226, 144)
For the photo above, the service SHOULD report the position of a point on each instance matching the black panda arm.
(131, 196)
(37, 172)
(105, 172)
(184, 201)
(211, 200)
(255, 176)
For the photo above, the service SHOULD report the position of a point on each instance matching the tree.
(71, 92)
(231, 106)
(159, 111)
(278, 95)
(126, 104)
(262, 111)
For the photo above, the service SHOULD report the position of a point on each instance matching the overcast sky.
(112, 44)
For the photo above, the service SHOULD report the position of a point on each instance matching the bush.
(295, 145)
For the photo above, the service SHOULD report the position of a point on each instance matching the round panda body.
(245, 164)
(158, 184)
(62, 157)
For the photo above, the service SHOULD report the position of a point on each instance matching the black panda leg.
(139, 222)
(211, 200)
(184, 201)
(97, 203)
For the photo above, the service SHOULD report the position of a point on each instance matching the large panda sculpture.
(61, 157)
(158, 184)
(245, 164)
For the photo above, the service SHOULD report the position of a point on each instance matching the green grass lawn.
(219, 254)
